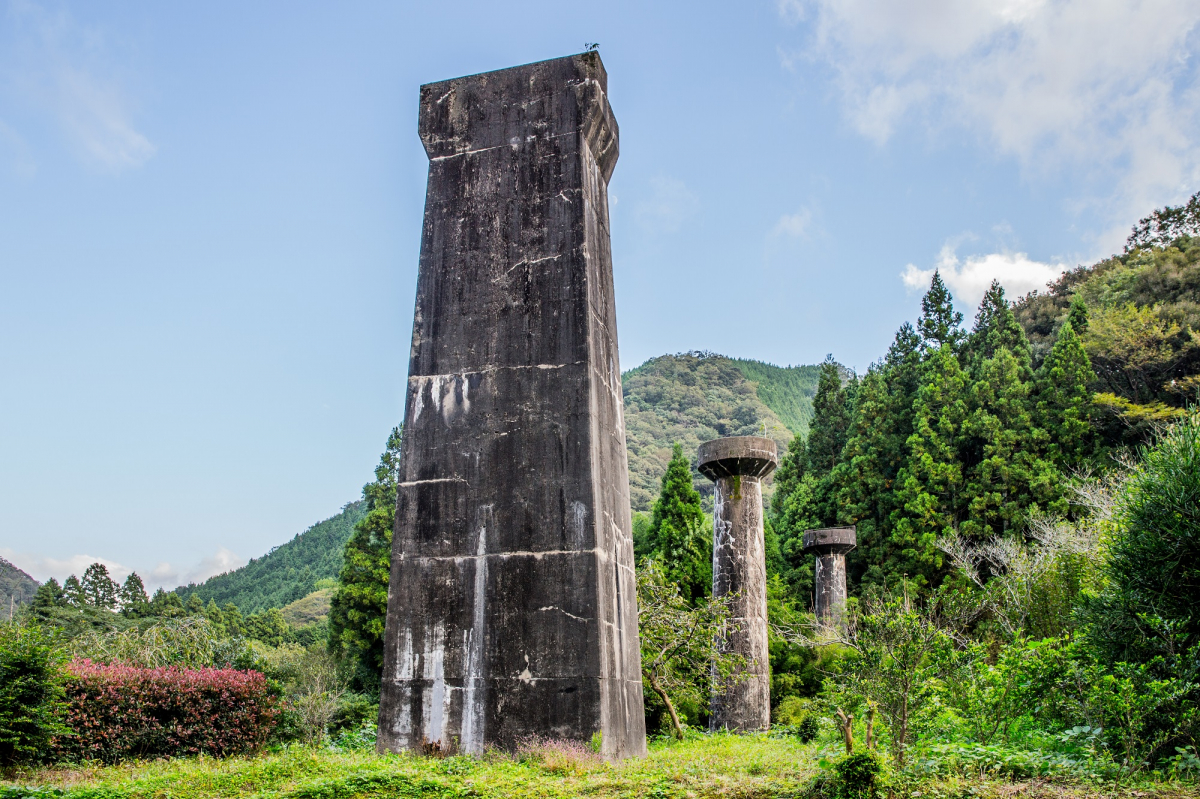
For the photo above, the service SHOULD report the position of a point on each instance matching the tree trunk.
(847, 730)
(870, 726)
(670, 707)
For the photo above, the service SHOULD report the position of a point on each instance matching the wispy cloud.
(969, 279)
(20, 159)
(1108, 87)
(68, 71)
(795, 225)
(668, 205)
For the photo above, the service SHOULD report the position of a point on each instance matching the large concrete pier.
(512, 608)
(830, 545)
(737, 466)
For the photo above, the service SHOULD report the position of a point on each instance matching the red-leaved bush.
(118, 711)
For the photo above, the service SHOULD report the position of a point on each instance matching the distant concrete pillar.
(512, 607)
(737, 466)
(830, 545)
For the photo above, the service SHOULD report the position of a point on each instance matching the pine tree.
(930, 484)
(99, 590)
(1064, 402)
(682, 542)
(166, 604)
(134, 602)
(1006, 478)
(73, 591)
(939, 324)
(359, 606)
(873, 457)
(996, 326)
(830, 426)
(49, 595)
(1077, 318)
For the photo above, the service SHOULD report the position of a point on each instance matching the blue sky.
(210, 217)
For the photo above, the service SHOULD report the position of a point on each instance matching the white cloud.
(796, 225)
(968, 280)
(66, 69)
(1107, 87)
(668, 206)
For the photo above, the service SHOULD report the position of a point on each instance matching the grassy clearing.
(739, 767)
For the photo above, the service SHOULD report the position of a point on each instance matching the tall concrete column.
(512, 607)
(830, 545)
(737, 466)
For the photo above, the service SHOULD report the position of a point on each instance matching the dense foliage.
(952, 433)
(359, 606)
(117, 711)
(1141, 311)
(678, 537)
(30, 692)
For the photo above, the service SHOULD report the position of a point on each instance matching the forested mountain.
(690, 398)
(286, 573)
(16, 587)
(1142, 312)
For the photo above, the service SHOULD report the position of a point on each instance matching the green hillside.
(1142, 332)
(786, 390)
(693, 397)
(286, 573)
(16, 587)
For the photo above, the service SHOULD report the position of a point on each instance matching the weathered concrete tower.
(737, 465)
(830, 546)
(512, 607)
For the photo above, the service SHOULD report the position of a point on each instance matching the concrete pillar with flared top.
(830, 545)
(737, 465)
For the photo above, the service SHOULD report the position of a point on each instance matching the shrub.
(794, 716)
(30, 692)
(116, 712)
(862, 775)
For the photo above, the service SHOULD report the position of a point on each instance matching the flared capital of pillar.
(749, 456)
(830, 540)
(519, 105)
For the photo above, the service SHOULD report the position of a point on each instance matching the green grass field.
(741, 767)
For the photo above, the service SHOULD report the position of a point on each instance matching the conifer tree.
(194, 606)
(996, 326)
(358, 609)
(939, 324)
(166, 604)
(1078, 315)
(1064, 402)
(134, 602)
(682, 542)
(98, 589)
(930, 484)
(873, 457)
(830, 426)
(49, 595)
(1006, 478)
(73, 592)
